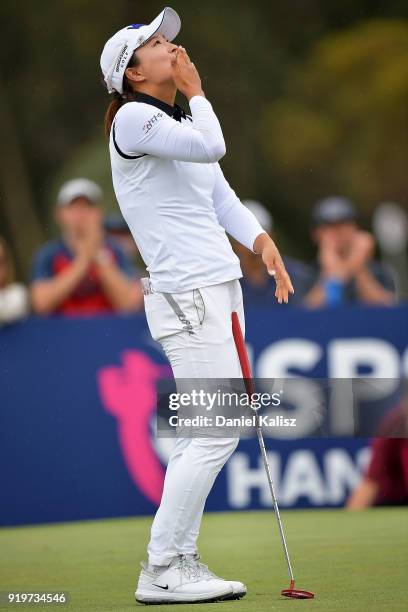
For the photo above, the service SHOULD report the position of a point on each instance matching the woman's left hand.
(275, 266)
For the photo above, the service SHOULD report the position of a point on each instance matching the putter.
(250, 388)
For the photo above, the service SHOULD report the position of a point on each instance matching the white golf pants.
(194, 329)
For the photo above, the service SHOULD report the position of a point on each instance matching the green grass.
(353, 561)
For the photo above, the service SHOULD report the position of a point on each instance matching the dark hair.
(120, 99)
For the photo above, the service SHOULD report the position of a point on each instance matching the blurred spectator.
(345, 269)
(258, 287)
(83, 272)
(117, 229)
(13, 296)
(386, 479)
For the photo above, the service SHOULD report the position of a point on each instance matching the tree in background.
(341, 125)
(52, 101)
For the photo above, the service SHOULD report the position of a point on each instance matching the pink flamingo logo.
(129, 393)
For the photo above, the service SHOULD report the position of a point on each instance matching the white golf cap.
(119, 49)
(79, 188)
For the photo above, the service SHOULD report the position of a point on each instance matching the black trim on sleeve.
(121, 152)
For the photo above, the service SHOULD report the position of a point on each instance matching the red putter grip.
(242, 353)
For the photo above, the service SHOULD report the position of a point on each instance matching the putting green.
(352, 561)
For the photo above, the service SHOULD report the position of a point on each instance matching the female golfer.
(178, 205)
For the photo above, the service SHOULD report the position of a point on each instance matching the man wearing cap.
(258, 287)
(82, 273)
(345, 270)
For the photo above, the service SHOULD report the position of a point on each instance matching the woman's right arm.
(144, 129)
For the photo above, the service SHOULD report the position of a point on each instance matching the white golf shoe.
(183, 581)
(238, 588)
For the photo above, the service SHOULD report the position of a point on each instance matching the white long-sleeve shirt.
(174, 196)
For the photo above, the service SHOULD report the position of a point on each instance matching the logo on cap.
(135, 26)
(122, 57)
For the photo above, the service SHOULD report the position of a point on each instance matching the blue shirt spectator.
(345, 271)
(83, 273)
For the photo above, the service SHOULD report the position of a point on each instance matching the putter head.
(297, 594)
